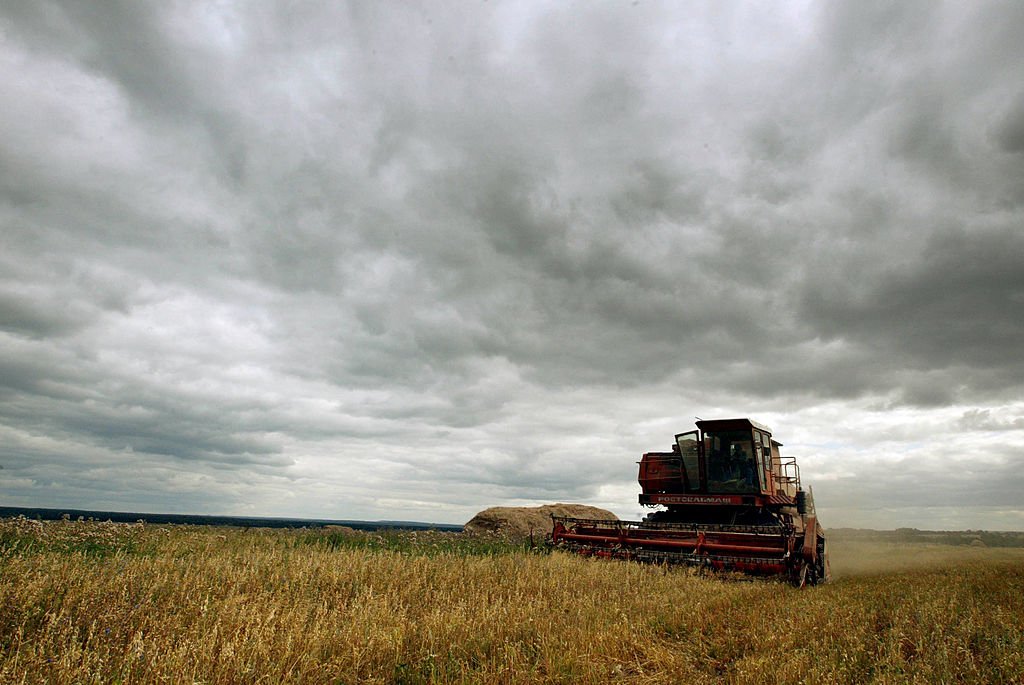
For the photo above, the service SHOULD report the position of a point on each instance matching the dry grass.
(82, 603)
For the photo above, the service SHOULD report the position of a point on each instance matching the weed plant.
(21, 535)
(420, 543)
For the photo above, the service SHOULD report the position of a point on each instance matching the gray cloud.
(381, 261)
(1008, 134)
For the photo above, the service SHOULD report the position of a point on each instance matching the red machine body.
(726, 500)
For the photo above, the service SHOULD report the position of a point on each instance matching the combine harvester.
(732, 502)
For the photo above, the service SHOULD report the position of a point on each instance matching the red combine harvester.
(731, 502)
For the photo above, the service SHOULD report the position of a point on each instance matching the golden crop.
(84, 602)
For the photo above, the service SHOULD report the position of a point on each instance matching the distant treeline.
(201, 520)
(988, 538)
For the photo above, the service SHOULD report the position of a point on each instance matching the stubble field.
(89, 602)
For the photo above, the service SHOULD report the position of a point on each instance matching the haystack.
(519, 522)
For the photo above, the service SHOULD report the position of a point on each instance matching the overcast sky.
(407, 261)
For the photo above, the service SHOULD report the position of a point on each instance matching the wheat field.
(91, 602)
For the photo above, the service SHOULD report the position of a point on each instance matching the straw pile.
(520, 522)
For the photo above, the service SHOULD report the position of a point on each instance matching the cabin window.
(732, 465)
(760, 464)
(687, 443)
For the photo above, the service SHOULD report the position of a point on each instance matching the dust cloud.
(863, 553)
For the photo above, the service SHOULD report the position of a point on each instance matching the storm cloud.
(406, 261)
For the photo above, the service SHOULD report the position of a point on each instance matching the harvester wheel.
(824, 570)
(801, 579)
(807, 574)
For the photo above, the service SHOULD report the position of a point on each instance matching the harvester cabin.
(726, 456)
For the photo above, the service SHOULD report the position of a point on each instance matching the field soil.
(519, 523)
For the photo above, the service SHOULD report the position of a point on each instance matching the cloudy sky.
(409, 260)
